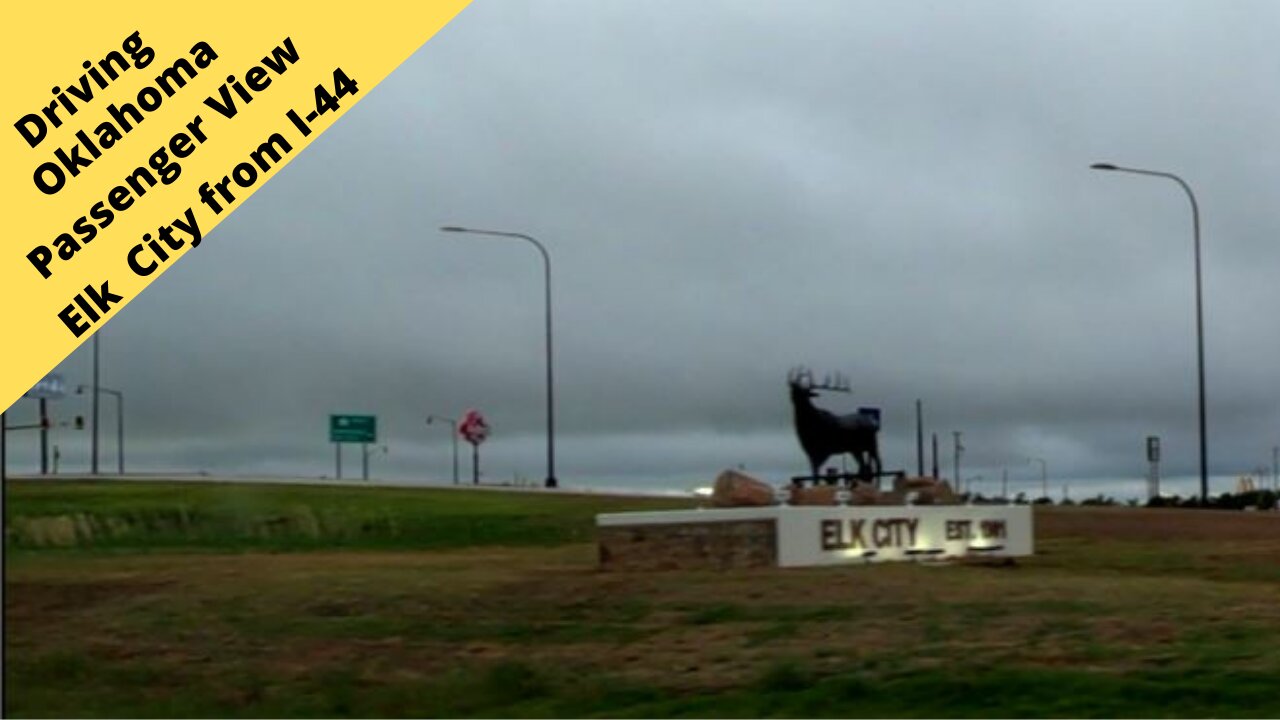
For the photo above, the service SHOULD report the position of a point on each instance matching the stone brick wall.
(688, 546)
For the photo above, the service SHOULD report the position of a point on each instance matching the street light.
(546, 264)
(1195, 224)
(454, 433)
(119, 425)
(1044, 475)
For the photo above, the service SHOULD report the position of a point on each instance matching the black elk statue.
(823, 434)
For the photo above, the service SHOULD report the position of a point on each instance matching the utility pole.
(958, 452)
(1275, 468)
(1004, 484)
(935, 456)
(44, 436)
(93, 462)
(919, 440)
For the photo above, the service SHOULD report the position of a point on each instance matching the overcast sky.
(896, 191)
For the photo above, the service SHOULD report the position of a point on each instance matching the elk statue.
(823, 434)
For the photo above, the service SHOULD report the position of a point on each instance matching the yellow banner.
(129, 135)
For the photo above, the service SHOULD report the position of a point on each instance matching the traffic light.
(45, 423)
(79, 422)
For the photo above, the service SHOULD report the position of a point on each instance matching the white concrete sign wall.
(834, 535)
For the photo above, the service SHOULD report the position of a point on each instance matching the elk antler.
(801, 376)
(838, 383)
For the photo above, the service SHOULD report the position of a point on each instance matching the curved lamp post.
(546, 265)
(454, 434)
(1195, 224)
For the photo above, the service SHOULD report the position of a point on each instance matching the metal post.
(93, 468)
(475, 463)
(935, 456)
(1275, 468)
(551, 480)
(551, 403)
(4, 445)
(1195, 223)
(44, 436)
(1004, 484)
(337, 460)
(364, 461)
(919, 440)
(959, 450)
(120, 429)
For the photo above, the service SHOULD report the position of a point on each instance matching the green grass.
(427, 620)
(216, 517)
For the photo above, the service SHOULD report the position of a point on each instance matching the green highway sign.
(353, 428)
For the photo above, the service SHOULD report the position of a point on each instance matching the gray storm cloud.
(897, 192)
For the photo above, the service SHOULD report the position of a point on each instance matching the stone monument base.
(791, 536)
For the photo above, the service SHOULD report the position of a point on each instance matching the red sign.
(473, 428)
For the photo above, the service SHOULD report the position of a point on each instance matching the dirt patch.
(23, 599)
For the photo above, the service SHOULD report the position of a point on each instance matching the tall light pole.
(1195, 224)
(453, 424)
(119, 421)
(551, 404)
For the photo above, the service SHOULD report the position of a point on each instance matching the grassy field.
(219, 517)
(182, 600)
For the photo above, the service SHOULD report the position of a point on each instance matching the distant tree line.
(1258, 499)
(1255, 499)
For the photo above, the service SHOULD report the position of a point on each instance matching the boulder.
(864, 494)
(891, 497)
(927, 491)
(944, 495)
(817, 495)
(738, 489)
(914, 483)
